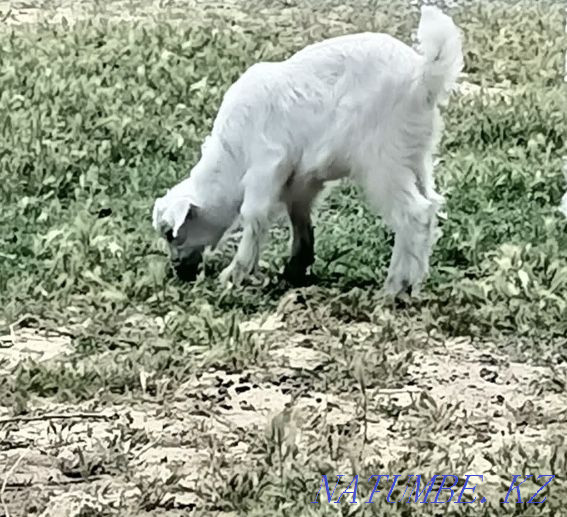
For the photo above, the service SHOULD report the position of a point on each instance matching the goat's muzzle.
(187, 268)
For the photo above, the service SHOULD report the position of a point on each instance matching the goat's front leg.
(248, 253)
(261, 192)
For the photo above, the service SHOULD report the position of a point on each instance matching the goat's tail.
(440, 44)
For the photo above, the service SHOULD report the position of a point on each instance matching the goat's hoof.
(396, 287)
(231, 275)
(225, 278)
(293, 276)
(296, 277)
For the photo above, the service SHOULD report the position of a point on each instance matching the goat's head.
(180, 219)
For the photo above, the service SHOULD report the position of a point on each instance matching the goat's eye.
(169, 235)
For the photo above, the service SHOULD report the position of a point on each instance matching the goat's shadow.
(265, 294)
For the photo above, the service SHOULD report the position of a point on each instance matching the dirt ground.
(477, 401)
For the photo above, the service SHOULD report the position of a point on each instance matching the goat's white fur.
(170, 212)
(563, 204)
(363, 106)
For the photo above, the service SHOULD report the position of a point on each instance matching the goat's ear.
(181, 210)
(170, 213)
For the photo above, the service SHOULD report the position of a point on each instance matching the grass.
(98, 117)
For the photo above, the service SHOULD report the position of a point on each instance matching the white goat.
(563, 204)
(363, 106)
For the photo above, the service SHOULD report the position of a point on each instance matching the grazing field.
(126, 392)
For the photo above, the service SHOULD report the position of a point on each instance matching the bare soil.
(467, 399)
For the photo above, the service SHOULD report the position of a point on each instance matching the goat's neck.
(218, 189)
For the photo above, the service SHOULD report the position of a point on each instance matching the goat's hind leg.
(396, 195)
(426, 187)
(303, 243)
(412, 218)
